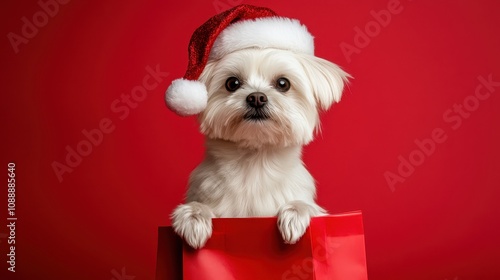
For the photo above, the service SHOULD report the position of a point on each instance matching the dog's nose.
(256, 100)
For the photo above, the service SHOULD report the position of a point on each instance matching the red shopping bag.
(332, 248)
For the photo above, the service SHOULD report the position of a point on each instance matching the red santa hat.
(241, 27)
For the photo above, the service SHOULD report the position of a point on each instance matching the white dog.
(263, 106)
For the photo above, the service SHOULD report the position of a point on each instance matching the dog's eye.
(232, 84)
(282, 84)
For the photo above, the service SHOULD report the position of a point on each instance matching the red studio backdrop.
(100, 162)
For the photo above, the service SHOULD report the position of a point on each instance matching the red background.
(440, 223)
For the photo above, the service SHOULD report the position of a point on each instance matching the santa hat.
(241, 27)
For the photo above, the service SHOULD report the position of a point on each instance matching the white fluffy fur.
(186, 97)
(254, 168)
(269, 32)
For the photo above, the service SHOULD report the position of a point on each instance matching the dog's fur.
(254, 167)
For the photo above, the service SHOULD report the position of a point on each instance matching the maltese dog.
(262, 106)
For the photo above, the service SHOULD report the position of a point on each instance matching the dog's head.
(253, 79)
(259, 97)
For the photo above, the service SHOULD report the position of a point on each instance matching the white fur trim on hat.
(186, 97)
(268, 32)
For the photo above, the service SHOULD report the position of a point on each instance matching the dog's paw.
(193, 222)
(294, 218)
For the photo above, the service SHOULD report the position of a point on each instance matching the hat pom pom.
(186, 97)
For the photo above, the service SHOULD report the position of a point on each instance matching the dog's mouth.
(256, 115)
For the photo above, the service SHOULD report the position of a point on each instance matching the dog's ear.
(327, 80)
(206, 76)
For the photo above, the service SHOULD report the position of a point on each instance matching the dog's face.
(268, 97)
